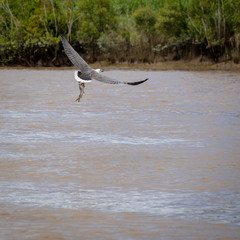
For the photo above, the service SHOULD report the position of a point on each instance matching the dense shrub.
(119, 30)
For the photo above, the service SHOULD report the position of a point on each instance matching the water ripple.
(215, 207)
(82, 137)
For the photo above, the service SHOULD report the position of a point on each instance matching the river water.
(160, 160)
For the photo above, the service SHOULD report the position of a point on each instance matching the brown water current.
(156, 161)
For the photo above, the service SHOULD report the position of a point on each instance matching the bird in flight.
(85, 73)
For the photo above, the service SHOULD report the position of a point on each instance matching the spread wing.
(105, 79)
(76, 60)
(74, 57)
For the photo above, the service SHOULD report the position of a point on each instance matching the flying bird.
(85, 74)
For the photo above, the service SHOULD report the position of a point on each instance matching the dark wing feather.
(105, 79)
(74, 57)
(136, 83)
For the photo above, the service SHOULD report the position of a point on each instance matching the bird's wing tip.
(137, 83)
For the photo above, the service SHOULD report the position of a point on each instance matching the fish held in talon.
(81, 88)
(86, 74)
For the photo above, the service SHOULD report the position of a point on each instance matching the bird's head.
(99, 70)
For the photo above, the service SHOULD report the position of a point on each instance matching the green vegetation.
(119, 30)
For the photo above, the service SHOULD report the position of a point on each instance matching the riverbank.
(159, 66)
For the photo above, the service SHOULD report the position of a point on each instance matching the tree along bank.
(146, 31)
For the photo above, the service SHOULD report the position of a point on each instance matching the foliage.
(97, 16)
(117, 30)
(129, 6)
(171, 22)
(145, 19)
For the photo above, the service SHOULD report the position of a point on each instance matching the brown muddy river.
(156, 161)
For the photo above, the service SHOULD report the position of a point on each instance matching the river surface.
(160, 160)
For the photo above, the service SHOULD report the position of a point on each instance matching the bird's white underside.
(77, 78)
